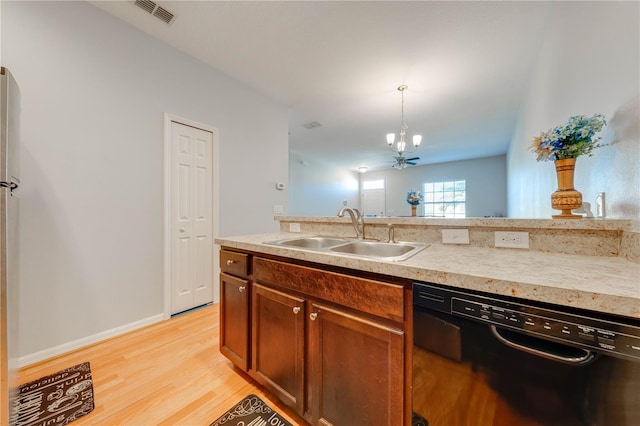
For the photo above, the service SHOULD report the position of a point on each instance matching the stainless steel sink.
(395, 252)
(310, 242)
(379, 250)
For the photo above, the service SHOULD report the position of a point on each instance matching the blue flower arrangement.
(414, 197)
(571, 140)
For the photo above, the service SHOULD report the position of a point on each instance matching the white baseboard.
(86, 341)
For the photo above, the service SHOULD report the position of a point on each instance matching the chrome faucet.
(356, 220)
(392, 238)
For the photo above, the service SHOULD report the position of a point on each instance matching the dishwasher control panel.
(588, 331)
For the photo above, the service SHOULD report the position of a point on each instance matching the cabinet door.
(234, 320)
(277, 350)
(356, 370)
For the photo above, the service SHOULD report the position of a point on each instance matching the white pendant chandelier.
(401, 147)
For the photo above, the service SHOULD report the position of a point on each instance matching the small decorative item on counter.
(562, 145)
(414, 198)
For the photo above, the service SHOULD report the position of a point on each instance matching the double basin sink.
(394, 252)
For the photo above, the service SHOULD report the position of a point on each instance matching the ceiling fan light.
(416, 140)
(401, 146)
(391, 137)
(363, 169)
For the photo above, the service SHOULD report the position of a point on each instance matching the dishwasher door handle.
(587, 358)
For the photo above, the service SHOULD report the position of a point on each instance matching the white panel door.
(191, 217)
(373, 202)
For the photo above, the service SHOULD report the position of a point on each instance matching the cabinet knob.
(296, 309)
(182, 229)
(313, 316)
(230, 262)
(242, 288)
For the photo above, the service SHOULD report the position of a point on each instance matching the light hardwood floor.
(170, 373)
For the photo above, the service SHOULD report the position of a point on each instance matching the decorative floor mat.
(251, 411)
(418, 420)
(55, 400)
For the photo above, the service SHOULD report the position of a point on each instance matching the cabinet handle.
(242, 288)
(230, 262)
(296, 309)
(313, 316)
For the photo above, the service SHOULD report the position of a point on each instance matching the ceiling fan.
(402, 162)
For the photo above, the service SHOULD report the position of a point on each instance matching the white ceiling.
(466, 64)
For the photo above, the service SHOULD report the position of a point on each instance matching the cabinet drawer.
(234, 263)
(373, 297)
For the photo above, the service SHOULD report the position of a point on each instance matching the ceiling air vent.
(158, 11)
(163, 14)
(147, 5)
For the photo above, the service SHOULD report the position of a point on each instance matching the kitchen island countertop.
(603, 284)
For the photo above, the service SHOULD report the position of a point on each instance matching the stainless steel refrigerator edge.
(9, 208)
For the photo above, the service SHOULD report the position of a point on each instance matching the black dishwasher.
(487, 360)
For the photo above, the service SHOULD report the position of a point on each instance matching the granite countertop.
(604, 284)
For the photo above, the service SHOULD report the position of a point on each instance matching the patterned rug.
(251, 411)
(55, 400)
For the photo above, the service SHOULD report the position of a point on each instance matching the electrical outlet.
(294, 227)
(455, 236)
(278, 209)
(512, 239)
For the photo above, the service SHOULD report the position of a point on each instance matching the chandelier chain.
(403, 124)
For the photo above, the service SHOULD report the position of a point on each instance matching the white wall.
(485, 181)
(589, 63)
(94, 91)
(317, 189)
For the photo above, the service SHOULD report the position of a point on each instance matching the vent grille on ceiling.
(146, 5)
(158, 11)
(163, 14)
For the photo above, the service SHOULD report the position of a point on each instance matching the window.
(445, 199)
(372, 184)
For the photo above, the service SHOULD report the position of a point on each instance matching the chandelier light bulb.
(416, 140)
(391, 137)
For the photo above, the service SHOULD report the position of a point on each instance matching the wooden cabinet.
(277, 349)
(356, 369)
(234, 307)
(330, 345)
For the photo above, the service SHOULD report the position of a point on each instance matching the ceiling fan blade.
(411, 163)
(412, 159)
